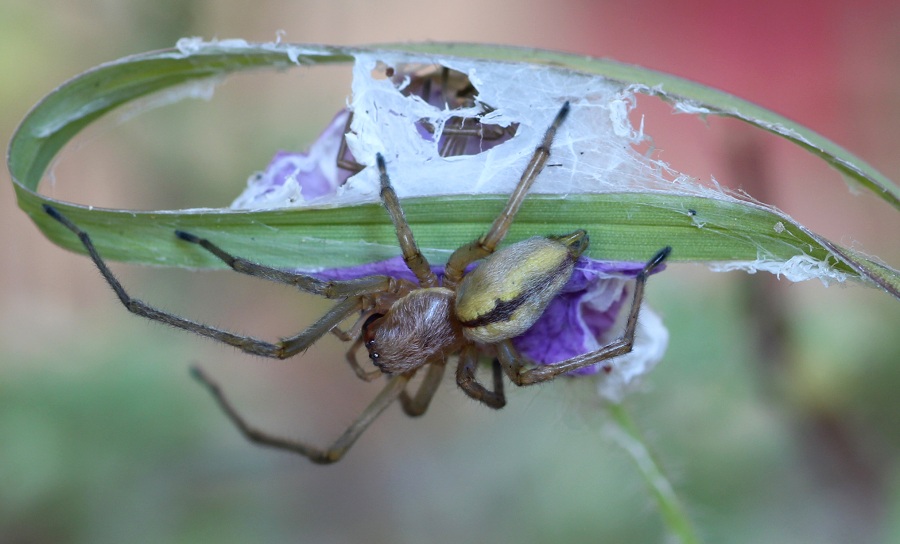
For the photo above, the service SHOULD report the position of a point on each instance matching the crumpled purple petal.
(299, 177)
(585, 310)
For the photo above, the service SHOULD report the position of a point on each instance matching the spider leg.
(486, 245)
(332, 453)
(465, 378)
(281, 350)
(293, 345)
(511, 359)
(305, 283)
(416, 405)
(411, 254)
(354, 364)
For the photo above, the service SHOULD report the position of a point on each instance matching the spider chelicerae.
(406, 327)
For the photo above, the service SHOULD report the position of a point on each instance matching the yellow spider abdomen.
(509, 291)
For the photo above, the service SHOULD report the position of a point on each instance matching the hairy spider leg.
(513, 364)
(413, 258)
(332, 453)
(484, 246)
(308, 284)
(465, 378)
(416, 405)
(355, 293)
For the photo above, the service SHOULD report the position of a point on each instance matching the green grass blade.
(623, 226)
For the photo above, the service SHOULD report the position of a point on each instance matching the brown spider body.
(500, 299)
(407, 327)
(419, 328)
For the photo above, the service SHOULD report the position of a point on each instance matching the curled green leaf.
(631, 225)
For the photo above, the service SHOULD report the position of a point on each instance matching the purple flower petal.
(292, 177)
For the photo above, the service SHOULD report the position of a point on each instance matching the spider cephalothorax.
(417, 329)
(498, 300)
(407, 326)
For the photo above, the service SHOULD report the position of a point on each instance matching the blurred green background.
(775, 411)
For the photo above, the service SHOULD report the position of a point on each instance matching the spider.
(407, 327)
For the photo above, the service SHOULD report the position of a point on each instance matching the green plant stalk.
(626, 434)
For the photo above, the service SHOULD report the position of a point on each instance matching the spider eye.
(368, 335)
(376, 359)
